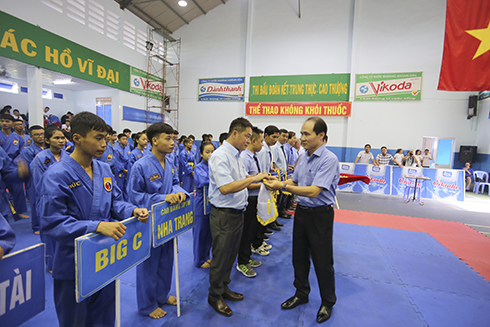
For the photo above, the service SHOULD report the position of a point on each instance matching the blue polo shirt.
(320, 169)
(225, 167)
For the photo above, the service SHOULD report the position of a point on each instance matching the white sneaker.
(260, 251)
(266, 246)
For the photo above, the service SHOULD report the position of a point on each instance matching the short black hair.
(204, 137)
(282, 130)
(16, 110)
(383, 147)
(369, 145)
(191, 137)
(69, 113)
(7, 117)
(256, 133)
(84, 122)
(158, 128)
(7, 107)
(320, 125)
(109, 129)
(176, 132)
(426, 150)
(222, 137)
(187, 140)
(18, 120)
(126, 130)
(35, 128)
(119, 136)
(182, 138)
(67, 135)
(239, 125)
(271, 129)
(291, 134)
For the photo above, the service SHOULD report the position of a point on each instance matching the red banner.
(340, 109)
(466, 55)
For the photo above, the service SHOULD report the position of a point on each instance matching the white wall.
(386, 36)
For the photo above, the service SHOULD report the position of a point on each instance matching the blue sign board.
(221, 89)
(22, 287)
(139, 115)
(207, 204)
(483, 95)
(100, 260)
(171, 220)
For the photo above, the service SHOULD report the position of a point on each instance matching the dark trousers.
(250, 229)
(312, 237)
(96, 310)
(226, 229)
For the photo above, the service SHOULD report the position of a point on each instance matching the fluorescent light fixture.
(182, 3)
(63, 81)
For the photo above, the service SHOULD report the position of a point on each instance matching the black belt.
(316, 209)
(230, 210)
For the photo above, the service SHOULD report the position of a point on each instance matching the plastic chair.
(408, 194)
(484, 176)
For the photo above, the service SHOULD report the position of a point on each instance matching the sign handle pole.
(118, 302)
(177, 289)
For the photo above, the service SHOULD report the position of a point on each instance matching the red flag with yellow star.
(466, 59)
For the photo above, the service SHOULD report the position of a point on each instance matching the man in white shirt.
(365, 156)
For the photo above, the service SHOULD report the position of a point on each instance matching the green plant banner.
(327, 87)
(389, 87)
(33, 45)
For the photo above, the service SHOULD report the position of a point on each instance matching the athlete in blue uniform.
(153, 179)
(76, 197)
(139, 151)
(108, 155)
(28, 154)
(121, 153)
(55, 142)
(201, 231)
(186, 159)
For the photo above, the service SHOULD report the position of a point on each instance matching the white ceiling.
(16, 72)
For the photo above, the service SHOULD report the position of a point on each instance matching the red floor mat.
(468, 244)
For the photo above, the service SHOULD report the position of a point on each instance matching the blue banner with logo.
(22, 287)
(483, 95)
(171, 220)
(380, 178)
(221, 89)
(139, 115)
(207, 204)
(400, 182)
(445, 184)
(99, 259)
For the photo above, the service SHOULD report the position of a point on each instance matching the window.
(104, 109)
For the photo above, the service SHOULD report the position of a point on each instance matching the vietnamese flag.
(466, 59)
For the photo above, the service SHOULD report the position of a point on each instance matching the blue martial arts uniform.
(7, 236)
(72, 204)
(149, 184)
(28, 155)
(108, 157)
(135, 155)
(38, 166)
(201, 232)
(122, 163)
(13, 144)
(186, 159)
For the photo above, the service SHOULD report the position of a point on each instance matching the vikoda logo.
(383, 87)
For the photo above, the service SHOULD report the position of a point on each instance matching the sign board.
(33, 45)
(171, 220)
(340, 109)
(315, 88)
(207, 204)
(389, 87)
(22, 286)
(99, 259)
(145, 84)
(139, 115)
(221, 89)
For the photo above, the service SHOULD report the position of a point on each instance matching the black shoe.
(221, 307)
(232, 296)
(273, 226)
(279, 224)
(323, 314)
(293, 302)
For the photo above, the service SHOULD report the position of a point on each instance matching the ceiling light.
(63, 81)
(182, 3)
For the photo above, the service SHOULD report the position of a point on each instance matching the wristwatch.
(284, 187)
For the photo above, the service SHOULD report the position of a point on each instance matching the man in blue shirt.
(468, 174)
(228, 182)
(314, 180)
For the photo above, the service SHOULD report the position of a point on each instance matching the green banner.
(33, 45)
(151, 86)
(327, 87)
(389, 87)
